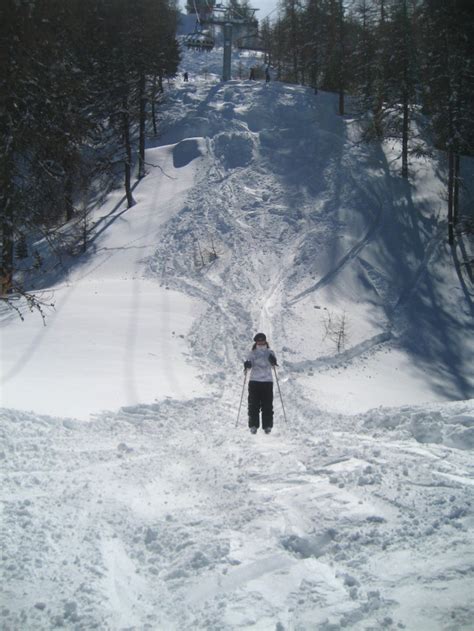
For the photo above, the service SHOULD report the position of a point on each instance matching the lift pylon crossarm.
(209, 13)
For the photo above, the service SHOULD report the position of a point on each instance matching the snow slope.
(129, 498)
(115, 337)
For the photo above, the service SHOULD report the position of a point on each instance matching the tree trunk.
(314, 69)
(153, 106)
(381, 79)
(342, 60)
(8, 245)
(69, 206)
(450, 195)
(7, 223)
(294, 36)
(128, 154)
(85, 232)
(405, 129)
(142, 121)
(84, 192)
(405, 90)
(456, 189)
(378, 117)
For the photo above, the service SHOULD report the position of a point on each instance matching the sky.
(265, 7)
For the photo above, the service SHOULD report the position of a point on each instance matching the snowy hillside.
(130, 500)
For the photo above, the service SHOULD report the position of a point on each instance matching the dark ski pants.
(261, 398)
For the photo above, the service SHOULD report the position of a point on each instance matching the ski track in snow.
(166, 516)
(133, 522)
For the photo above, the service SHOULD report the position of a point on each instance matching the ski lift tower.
(227, 17)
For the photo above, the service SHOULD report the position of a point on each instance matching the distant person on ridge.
(260, 361)
(267, 74)
(185, 76)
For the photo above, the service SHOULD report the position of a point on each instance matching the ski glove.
(273, 360)
(247, 364)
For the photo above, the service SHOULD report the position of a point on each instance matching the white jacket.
(261, 367)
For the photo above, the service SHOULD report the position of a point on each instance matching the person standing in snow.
(267, 74)
(260, 361)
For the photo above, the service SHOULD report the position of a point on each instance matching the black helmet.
(260, 337)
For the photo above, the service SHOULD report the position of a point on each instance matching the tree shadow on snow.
(429, 317)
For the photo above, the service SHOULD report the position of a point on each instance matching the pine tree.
(366, 60)
(448, 94)
(69, 111)
(314, 39)
(394, 93)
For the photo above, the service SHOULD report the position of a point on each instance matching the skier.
(260, 361)
(267, 74)
(185, 76)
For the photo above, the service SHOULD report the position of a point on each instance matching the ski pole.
(241, 397)
(279, 391)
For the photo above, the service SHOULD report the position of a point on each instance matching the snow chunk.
(461, 438)
(124, 448)
(186, 151)
(70, 423)
(426, 429)
(234, 149)
(227, 110)
(306, 547)
(436, 424)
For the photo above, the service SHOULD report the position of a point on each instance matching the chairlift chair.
(200, 40)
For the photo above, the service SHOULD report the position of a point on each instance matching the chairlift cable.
(196, 12)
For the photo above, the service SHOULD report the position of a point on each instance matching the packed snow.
(131, 499)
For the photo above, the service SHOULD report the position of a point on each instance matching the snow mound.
(234, 149)
(307, 547)
(146, 519)
(450, 425)
(186, 151)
